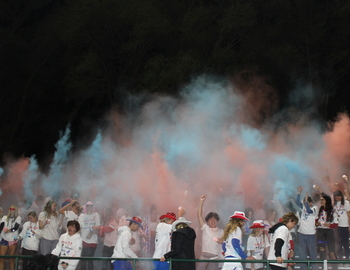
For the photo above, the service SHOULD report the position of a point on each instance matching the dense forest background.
(65, 61)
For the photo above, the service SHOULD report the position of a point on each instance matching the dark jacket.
(43, 262)
(182, 247)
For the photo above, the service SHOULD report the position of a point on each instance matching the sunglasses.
(11, 208)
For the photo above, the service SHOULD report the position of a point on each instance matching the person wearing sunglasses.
(9, 235)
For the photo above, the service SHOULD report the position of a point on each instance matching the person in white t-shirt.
(30, 236)
(49, 223)
(71, 211)
(162, 239)
(9, 235)
(232, 242)
(342, 208)
(211, 237)
(307, 228)
(257, 244)
(280, 241)
(88, 222)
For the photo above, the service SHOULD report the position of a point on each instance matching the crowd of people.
(315, 227)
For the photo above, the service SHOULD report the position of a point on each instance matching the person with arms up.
(307, 228)
(211, 237)
(326, 221)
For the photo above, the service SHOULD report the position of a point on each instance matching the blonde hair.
(231, 226)
(255, 231)
(48, 210)
(9, 215)
(165, 220)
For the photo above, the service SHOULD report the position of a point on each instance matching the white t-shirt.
(10, 236)
(86, 223)
(281, 232)
(307, 221)
(50, 231)
(230, 250)
(342, 212)
(323, 219)
(31, 240)
(162, 241)
(209, 245)
(257, 244)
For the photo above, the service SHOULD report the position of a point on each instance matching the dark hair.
(75, 224)
(247, 210)
(328, 208)
(309, 199)
(33, 214)
(339, 193)
(212, 215)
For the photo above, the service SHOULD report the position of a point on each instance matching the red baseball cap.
(170, 215)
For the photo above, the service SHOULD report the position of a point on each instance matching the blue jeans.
(161, 265)
(122, 265)
(307, 246)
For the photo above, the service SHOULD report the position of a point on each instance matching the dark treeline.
(71, 61)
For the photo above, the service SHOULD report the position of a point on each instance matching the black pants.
(107, 252)
(87, 252)
(26, 261)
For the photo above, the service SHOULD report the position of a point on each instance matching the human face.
(76, 208)
(12, 210)
(212, 222)
(71, 230)
(32, 219)
(290, 225)
(337, 198)
(134, 226)
(323, 201)
(89, 209)
(250, 214)
(53, 206)
(170, 221)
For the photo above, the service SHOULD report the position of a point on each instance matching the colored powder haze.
(213, 140)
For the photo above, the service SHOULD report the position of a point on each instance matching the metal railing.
(134, 261)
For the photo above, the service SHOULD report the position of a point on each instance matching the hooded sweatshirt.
(182, 247)
(69, 246)
(122, 247)
(279, 243)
